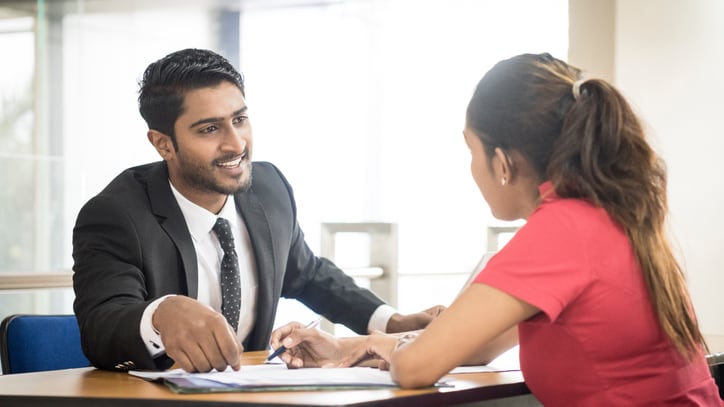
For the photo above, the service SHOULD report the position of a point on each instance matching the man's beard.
(200, 178)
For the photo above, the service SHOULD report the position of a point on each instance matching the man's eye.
(240, 119)
(209, 129)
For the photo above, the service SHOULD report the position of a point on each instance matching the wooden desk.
(92, 387)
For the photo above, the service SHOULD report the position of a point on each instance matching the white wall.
(669, 59)
(367, 124)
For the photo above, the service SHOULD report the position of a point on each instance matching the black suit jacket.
(131, 245)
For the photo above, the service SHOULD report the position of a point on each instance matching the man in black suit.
(147, 256)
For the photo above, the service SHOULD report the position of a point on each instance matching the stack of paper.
(271, 377)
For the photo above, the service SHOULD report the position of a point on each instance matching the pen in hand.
(283, 348)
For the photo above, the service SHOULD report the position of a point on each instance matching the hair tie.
(577, 88)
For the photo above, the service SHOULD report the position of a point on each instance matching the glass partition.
(69, 121)
(360, 103)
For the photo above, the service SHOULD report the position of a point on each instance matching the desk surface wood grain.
(92, 387)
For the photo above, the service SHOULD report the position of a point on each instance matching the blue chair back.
(32, 343)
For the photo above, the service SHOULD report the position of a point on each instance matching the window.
(360, 102)
(69, 123)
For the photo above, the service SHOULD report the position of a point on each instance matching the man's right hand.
(196, 337)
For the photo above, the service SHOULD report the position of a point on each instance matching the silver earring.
(503, 181)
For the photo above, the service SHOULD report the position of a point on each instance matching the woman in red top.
(589, 286)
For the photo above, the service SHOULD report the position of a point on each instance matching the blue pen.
(283, 348)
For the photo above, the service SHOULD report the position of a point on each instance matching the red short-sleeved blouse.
(597, 341)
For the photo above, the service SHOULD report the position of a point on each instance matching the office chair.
(716, 365)
(31, 343)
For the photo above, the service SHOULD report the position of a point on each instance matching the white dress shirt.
(208, 256)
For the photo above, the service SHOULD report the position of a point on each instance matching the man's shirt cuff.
(379, 318)
(151, 337)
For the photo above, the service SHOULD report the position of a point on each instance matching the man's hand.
(413, 322)
(196, 337)
(310, 347)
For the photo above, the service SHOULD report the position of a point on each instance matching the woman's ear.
(503, 166)
(162, 143)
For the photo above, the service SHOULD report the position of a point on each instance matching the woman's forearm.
(495, 348)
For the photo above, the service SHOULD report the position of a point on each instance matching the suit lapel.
(257, 225)
(166, 209)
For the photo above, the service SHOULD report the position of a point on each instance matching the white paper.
(480, 369)
(506, 362)
(279, 375)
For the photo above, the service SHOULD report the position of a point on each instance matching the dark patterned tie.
(230, 281)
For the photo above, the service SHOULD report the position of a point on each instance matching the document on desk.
(507, 362)
(481, 369)
(271, 377)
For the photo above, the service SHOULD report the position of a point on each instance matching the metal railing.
(33, 281)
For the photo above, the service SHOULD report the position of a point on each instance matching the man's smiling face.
(214, 140)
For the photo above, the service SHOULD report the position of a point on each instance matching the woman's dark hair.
(584, 137)
(166, 82)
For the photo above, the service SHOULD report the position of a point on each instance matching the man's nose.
(235, 138)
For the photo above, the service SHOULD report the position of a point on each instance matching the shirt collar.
(199, 220)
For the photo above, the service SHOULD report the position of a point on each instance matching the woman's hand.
(310, 347)
(376, 348)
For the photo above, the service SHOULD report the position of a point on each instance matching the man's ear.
(162, 143)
